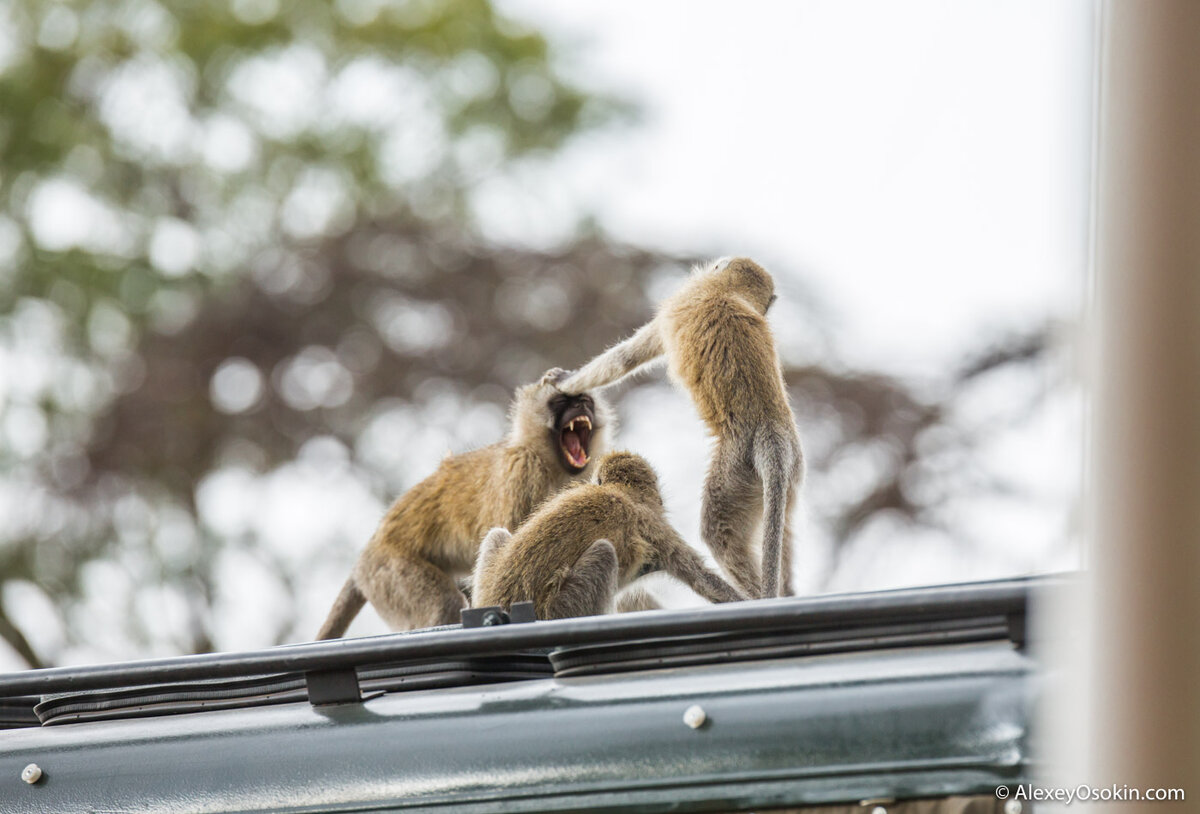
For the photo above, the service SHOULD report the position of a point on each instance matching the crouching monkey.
(588, 542)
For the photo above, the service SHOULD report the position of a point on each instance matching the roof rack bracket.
(1017, 632)
(333, 687)
(496, 615)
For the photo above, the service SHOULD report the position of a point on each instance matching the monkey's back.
(443, 518)
(533, 564)
(720, 348)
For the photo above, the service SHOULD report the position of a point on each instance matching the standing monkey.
(588, 542)
(432, 533)
(719, 347)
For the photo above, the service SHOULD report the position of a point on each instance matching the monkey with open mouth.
(431, 534)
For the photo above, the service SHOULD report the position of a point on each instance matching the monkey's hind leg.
(409, 593)
(493, 541)
(635, 598)
(729, 510)
(588, 587)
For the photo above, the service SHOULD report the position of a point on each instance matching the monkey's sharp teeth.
(582, 419)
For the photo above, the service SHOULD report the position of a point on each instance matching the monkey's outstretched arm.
(680, 561)
(617, 362)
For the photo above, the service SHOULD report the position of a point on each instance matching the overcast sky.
(925, 164)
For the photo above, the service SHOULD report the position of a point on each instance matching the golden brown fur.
(432, 533)
(719, 347)
(583, 545)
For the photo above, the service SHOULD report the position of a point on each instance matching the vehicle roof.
(835, 699)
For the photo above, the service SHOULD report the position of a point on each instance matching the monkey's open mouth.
(574, 439)
(573, 428)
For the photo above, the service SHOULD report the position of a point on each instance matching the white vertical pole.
(1144, 495)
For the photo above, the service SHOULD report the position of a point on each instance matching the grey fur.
(492, 543)
(588, 587)
(349, 602)
(637, 598)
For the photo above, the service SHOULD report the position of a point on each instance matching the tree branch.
(17, 641)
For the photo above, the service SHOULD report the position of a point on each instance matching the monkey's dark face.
(574, 422)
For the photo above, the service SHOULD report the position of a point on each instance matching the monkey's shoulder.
(602, 500)
(527, 464)
(581, 510)
(714, 309)
(499, 470)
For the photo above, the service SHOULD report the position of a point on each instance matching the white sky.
(924, 163)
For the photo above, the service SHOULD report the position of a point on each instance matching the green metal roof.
(884, 719)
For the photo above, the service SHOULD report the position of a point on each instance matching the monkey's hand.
(554, 376)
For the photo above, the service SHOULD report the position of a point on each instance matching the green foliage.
(180, 184)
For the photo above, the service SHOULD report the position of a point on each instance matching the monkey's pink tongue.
(574, 447)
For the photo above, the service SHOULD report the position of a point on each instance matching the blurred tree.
(237, 235)
(283, 185)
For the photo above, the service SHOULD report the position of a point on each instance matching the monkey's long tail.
(347, 605)
(774, 463)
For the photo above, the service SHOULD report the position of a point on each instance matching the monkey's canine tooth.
(587, 422)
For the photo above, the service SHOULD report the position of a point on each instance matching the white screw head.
(1013, 807)
(31, 773)
(694, 716)
(879, 810)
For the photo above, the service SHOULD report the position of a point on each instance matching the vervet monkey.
(588, 542)
(431, 533)
(719, 347)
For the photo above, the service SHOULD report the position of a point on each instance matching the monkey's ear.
(770, 302)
